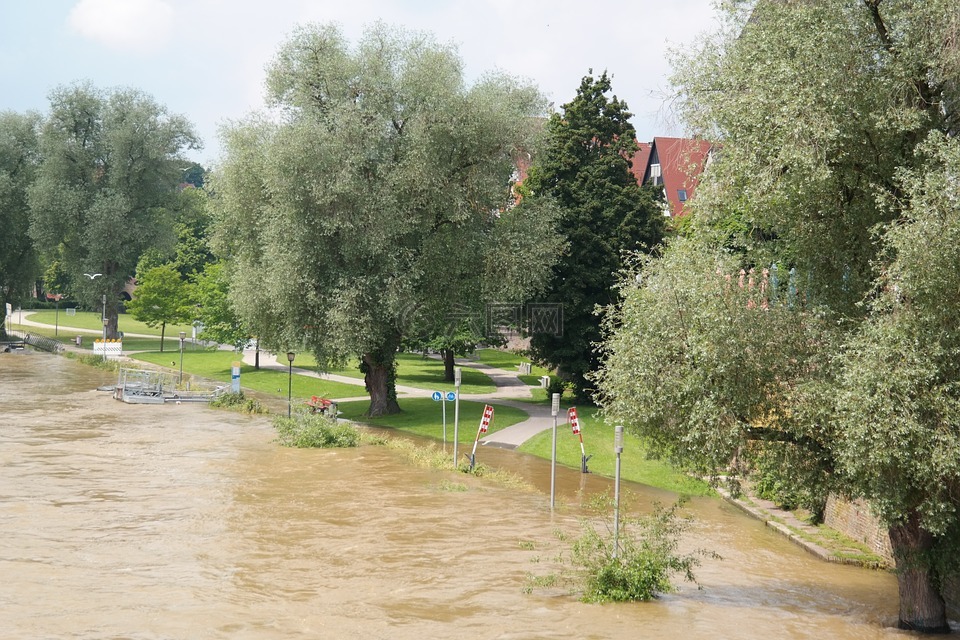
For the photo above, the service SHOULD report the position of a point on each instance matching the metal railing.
(40, 342)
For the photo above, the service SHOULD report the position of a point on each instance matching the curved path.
(511, 391)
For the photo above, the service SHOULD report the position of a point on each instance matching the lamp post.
(554, 410)
(183, 335)
(617, 449)
(457, 379)
(290, 356)
(103, 317)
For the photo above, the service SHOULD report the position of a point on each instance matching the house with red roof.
(676, 165)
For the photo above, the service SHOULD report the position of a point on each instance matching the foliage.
(162, 298)
(220, 322)
(584, 170)
(369, 204)
(19, 157)
(313, 430)
(638, 564)
(238, 402)
(807, 312)
(109, 169)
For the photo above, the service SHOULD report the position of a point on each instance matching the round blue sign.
(451, 396)
(436, 396)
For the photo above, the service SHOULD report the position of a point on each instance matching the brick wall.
(855, 520)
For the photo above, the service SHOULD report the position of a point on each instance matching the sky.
(205, 59)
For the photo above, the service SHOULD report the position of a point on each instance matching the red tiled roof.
(640, 160)
(681, 163)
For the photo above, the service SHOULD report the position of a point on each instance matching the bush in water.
(643, 567)
(314, 430)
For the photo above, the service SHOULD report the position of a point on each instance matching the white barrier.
(113, 348)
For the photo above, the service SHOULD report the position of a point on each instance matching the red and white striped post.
(574, 421)
(484, 425)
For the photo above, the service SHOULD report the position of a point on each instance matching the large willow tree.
(812, 317)
(111, 162)
(19, 157)
(370, 195)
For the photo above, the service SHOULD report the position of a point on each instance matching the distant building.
(676, 165)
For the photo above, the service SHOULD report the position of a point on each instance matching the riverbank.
(823, 542)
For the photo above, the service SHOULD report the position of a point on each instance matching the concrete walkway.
(511, 390)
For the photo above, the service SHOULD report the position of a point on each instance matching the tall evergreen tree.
(585, 170)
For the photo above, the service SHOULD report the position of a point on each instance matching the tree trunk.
(256, 356)
(379, 378)
(163, 330)
(921, 605)
(448, 364)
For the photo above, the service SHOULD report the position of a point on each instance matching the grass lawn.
(598, 442)
(423, 417)
(91, 320)
(129, 344)
(217, 365)
(413, 370)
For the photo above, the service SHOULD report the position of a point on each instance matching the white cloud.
(124, 25)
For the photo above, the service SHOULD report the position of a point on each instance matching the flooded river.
(179, 521)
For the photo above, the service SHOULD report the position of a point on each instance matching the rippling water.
(178, 521)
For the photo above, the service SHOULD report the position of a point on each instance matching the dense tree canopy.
(19, 157)
(811, 316)
(585, 170)
(365, 206)
(163, 297)
(110, 166)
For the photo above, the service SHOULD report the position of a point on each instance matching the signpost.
(574, 421)
(443, 398)
(485, 421)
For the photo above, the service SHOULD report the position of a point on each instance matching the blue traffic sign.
(437, 396)
(451, 396)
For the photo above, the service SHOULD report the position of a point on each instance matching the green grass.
(598, 443)
(171, 345)
(92, 320)
(413, 370)
(217, 365)
(423, 417)
(510, 361)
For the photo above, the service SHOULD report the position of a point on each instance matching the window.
(655, 174)
(682, 195)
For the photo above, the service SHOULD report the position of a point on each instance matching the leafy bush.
(645, 562)
(781, 476)
(314, 430)
(238, 402)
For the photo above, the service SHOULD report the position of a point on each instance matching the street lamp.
(617, 449)
(103, 316)
(183, 335)
(290, 357)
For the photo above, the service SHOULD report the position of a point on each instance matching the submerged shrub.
(238, 402)
(644, 565)
(314, 430)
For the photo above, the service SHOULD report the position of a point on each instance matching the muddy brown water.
(149, 522)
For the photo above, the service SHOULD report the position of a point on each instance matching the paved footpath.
(511, 390)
